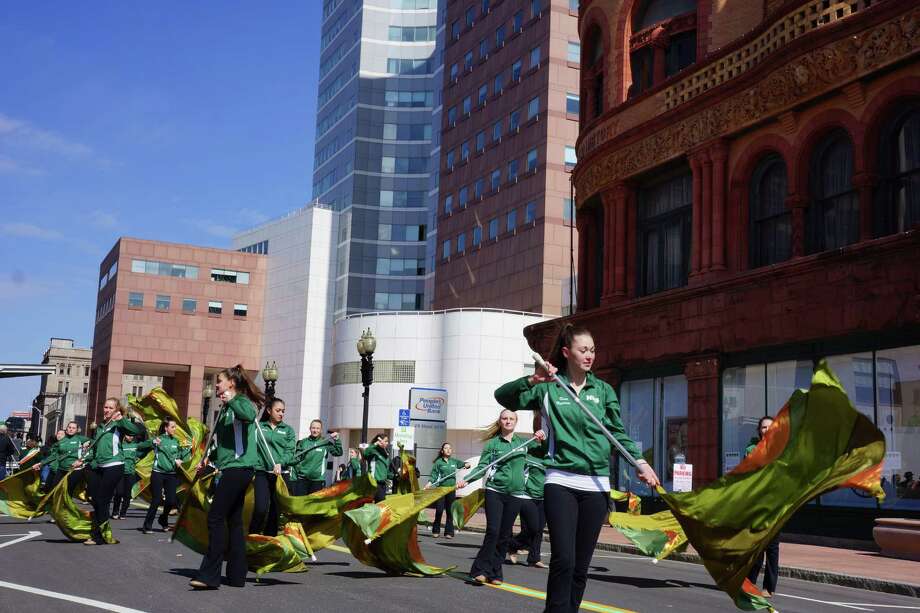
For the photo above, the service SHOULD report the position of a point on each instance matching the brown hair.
(118, 407)
(566, 336)
(441, 450)
(271, 405)
(495, 428)
(244, 384)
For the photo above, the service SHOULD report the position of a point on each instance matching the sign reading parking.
(403, 417)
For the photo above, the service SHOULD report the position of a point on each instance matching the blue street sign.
(403, 417)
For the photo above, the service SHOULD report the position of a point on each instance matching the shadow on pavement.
(646, 583)
(458, 545)
(358, 574)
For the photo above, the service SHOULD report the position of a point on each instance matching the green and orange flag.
(385, 535)
(464, 508)
(76, 524)
(19, 495)
(818, 442)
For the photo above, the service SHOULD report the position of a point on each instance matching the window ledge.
(574, 65)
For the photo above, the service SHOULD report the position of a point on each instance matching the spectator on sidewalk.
(8, 450)
(771, 553)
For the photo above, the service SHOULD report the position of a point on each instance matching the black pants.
(530, 537)
(225, 530)
(574, 519)
(103, 482)
(123, 494)
(310, 486)
(771, 572)
(443, 505)
(73, 481)
(265, 509)
(162, 485)
(501, 511)
(381, 492)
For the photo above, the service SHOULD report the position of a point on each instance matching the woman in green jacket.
(235, 455)
(168, 454)
(309, 459)
(533, 518)
(577, 458)
(444, 474)
(105, 458)
(123, 491)
(378, 463)
(771, 552)
(280, 439)
(502, 482)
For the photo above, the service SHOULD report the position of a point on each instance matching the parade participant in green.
(280, 439)
(444, 474)
(771, 553)
(533, 519)
(235, 455)
(310, 459)
(501, 464)
(168, 454)
(577, 458)
(64, 454)
(123, 491)
(378, 463)
(106, 461)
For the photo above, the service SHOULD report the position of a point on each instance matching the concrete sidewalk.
(839, 566)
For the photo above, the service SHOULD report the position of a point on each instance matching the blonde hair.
(495, 428)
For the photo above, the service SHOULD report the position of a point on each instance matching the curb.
(793, 572)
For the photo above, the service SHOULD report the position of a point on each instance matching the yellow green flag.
(464, 508)
(657, 535)
(818, 442)
(385, 535)
(76, 524)
(19, 495)
(407, 481)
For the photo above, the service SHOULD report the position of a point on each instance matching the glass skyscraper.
(376, 158)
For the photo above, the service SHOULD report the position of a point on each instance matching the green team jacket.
(442, 468)
(574, 443)
(507, 477)
(235, 435)
(129, 453)
(281, 441)
(106, 445)
(310, 457)
(165, 454)
(65, 452)
(751, 444)
(378, 461)
(534, 477)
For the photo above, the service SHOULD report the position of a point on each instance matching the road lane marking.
(827, 602)
(22, 537)
(338, 548)
(69, 598)
(587, 605)
(880, 606)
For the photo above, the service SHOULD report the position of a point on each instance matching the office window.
(450, 159)
(452, 116)
(136, 299)
(165, 269)
(535, 57)
(240, 310)
(485, 7)
(470, 21)
(86, 371)
(60, 387)
(533, 108)
(834, 211)
(511, 220)
(572, 103)
(497, 131)
(516, 71)
(464, 196)
(530, 212)
(467, 105)
(454, 71)
(468, 60)
(389, 131)
(455, 30)
(665, 216)
(512, 171)
(573, 6)
(536, 6)
(445, 249)
(483, 48)
(500, 36)
(493, 229)
(465, 150)
(497, 84)
(514, 122)
(480, 141)
(570, 157)
(461, 243)
(568, 212)
(517, 22)
(68, 370)
(189, 305)
(482, 95)
(771, 221)
(215, 307)
(574, 52)
(85, 388)
(478, 188)
(897, 199)
(495, 179)
(162, 303)
(477, 236)
(229, 276)
(60, 369)
(531, 160)
(448, 204)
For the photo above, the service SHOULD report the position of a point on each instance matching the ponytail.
(244, 384)
(566, 336)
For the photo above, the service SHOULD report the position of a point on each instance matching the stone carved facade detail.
(806, 77)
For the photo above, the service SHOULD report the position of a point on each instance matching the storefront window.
(898, 393)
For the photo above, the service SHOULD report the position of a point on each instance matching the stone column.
(609, 197)
(623, 193)
(706, 221)
(696, 222)
(581, 224)
(702, 374)
(719, 156)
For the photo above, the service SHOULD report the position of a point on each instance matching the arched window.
(771, 223)
(834, 210)
(663, 41)
(592, 74)
(665, 219)
(897, 205)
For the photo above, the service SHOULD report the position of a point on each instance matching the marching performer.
(502, 462)
(279, 439)
(123, 491)
(444, 474)
(310, 459)
(168, 455)
(378, 463)
(577, 459)
(64, 454)
(235, 455)
(533, 519)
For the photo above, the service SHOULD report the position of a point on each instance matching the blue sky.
(164, 120)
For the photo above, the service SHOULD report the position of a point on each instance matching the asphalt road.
(45, 572)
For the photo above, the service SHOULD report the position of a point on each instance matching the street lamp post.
(207, 392)
(270, 376)
(366, 346)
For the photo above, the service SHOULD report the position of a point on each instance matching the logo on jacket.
(592, 398)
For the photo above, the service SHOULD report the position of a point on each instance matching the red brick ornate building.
(748, 202)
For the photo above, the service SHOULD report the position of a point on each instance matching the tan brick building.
(174, 311)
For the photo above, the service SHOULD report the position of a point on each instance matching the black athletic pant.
(501, 511)
(771, 572)
(310, 486)
(265, 510)
(162, 485)
(225, 530)
(531, 535)
(123, 494)
(103, 482)
(381, 492)
(574, 518)
(443, 505)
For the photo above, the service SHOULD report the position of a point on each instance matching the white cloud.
(28, 230)
(12, 167)
(252, 216)
(101, 219)
(24, 134)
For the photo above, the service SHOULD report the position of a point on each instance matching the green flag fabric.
(74, 523)
(19, 495)
(657, 535)
(407, 481)
(385, 535)
(464, 508)
(818, 442)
